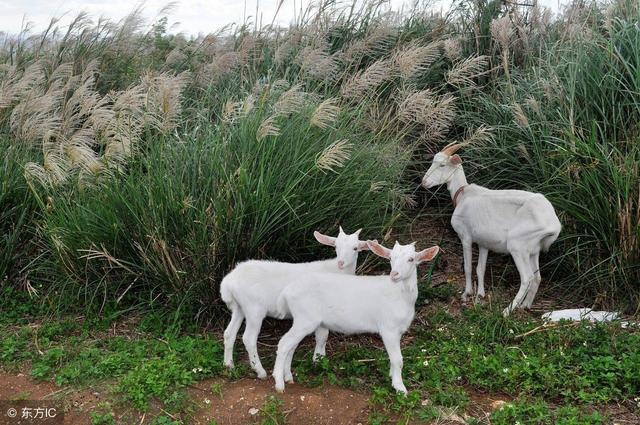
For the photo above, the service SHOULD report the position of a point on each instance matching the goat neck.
(457, 181)
(409, 287)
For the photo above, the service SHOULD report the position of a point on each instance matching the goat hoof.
(261, 374)
(506, 312)
(465, 297)
(280, 388)
(288, 379)
(402, 390)
(229, 365)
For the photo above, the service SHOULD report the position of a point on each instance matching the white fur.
(252, 288)
(354, 304)
(507, 221)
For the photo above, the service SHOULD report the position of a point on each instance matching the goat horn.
(451, 148)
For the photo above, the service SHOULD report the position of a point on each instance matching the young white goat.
(507, 221)
(252, 288)
(354, 304)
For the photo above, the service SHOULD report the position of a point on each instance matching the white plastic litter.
(577, 314)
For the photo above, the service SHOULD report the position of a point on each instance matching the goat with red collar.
(512, 222)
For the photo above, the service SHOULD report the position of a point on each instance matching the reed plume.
(326, 113)
(334, 156)
(464, 72)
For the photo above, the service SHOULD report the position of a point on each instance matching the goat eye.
(411, 260)
(441, 165)
(355, 248)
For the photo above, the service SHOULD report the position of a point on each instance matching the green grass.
(567, 374)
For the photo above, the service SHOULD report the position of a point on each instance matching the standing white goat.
(354, 304)
(252, 288)
(507, 221)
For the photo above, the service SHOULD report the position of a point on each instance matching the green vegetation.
(137, 167)
(564, 373)
(140, 166)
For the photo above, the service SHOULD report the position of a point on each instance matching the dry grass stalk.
(292, 100)
(164, 96)
(452, 48)
(175, 57)
(318, 64)
(73, 123)
(377, 42)
(519, 116)
(326, 113)
(481, 136)
(268, 127)
(464, 72)
(334, 156)
(231, 110)
(533, 105)
(434, 112)
(414, 59)
(364, 83)
(502, 31)
(285, 50)
(629, 223)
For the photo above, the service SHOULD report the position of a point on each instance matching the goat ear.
(340, 231)
(324, 239)
(455, 160)
(357, 233)
(364, 245)
(379, 250)
(427, 254)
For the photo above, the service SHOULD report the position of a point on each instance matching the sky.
(188, 16)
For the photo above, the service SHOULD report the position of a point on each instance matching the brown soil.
(239, 402)
(242, 402)
(76, 404)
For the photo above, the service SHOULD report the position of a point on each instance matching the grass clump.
(194, 205)
(152, 157)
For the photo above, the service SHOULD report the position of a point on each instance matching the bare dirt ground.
(76, 404)
(238, 402)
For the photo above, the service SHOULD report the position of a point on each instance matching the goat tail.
(225, 292)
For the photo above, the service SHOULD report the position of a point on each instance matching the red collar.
(458, 193)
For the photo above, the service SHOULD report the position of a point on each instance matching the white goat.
(354, 304)
(252, 288)
(507, 221)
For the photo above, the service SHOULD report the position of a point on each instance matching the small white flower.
(584, 343)
(207, 401)
(425, 363)
(459, 378)
(505, 370)
(469, 349)
(253, 411)
(511, 331)
(424, 350)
